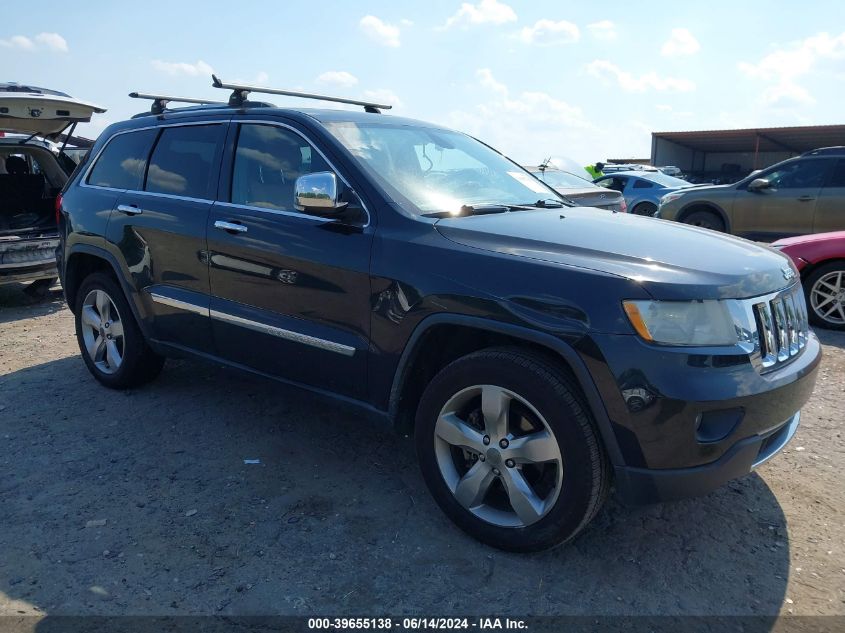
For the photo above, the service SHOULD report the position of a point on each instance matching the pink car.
(820, 259)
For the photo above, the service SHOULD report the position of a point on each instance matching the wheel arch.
(442, 338)
(811, 267)
(84, 259)
(704, 205)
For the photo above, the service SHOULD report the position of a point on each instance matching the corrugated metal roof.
(771, 139)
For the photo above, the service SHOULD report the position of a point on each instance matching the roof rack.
(241, 91)
(160, 101)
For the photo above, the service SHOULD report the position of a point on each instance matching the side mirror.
(759, 184)
(318, 193)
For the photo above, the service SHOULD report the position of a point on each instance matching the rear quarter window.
(122, 163)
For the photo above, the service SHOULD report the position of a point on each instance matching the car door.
(290, 292)
(785, 208)
(830, 207)
(160, 230)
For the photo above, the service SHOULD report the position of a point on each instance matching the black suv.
(538, 352)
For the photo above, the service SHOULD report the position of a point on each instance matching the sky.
(583, 80)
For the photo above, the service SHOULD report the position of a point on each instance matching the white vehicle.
(32, 173)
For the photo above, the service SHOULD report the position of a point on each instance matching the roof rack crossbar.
(241, 91)
(160, 101)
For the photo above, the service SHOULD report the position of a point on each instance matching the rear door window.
(122, 163)
(184, 161)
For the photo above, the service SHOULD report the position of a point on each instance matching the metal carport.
(739, 151)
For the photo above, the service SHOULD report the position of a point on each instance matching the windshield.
(437, 170)
(563, 180)
(663, 179)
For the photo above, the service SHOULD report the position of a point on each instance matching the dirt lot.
(140, 502)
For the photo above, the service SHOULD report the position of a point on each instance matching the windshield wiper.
(549, 203)
(482, 208)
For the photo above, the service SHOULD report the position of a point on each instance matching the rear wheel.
(508, 450)
(706, 220)
(112, 345)
(825, 292)
(645, 208)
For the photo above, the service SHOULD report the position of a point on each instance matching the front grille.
(782, 326)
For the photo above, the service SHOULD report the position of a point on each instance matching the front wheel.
(509, 451)
(706, 220)
(824, 289)
(645, 208)
(112, 345)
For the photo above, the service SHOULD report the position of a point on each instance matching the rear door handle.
(230, 226)
(129, 209)
(806, 198)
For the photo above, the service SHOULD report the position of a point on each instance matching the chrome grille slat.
(779, 312)
(782, 327)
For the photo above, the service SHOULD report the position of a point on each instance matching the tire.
(124, 360)
(645, 208)
(825, 305)
(706, 220)
(568, 473)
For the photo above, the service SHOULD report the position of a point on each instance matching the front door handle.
(806, 198)
(129, 209)
(230, 226)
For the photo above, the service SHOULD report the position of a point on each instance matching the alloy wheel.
(827, 297)
(102, 331)
(498, 456)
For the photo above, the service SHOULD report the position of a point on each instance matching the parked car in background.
(642, 189)
(820, 259)
(798, 196)
(579, 190)
(32, 172)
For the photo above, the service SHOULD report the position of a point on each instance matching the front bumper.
(685, 423)
(643, 485)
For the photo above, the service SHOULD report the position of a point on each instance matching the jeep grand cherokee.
(538, 352)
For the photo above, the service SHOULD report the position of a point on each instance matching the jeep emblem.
(788, 273)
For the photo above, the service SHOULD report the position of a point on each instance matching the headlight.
(682, 322)
(669, 197)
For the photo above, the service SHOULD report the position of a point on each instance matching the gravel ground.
(141, 502)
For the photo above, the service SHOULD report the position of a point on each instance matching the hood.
(672, 261)
(814, 238)
(30, 110)
(610, 194)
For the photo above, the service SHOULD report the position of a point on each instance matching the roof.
(322, 115)
(771, 139)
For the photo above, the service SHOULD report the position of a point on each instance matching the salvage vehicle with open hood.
(33, 170)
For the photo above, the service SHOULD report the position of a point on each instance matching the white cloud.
(485, 12)
(680, 43)
(49, 41)
(379, 31)
(52, 41)
(18, 41)
(784, 67)
(383, 95)
(548, 32)
(183, 68)
(528, 126)
(406, 22)
(602, 30)
(606, 70)
(338, 78)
